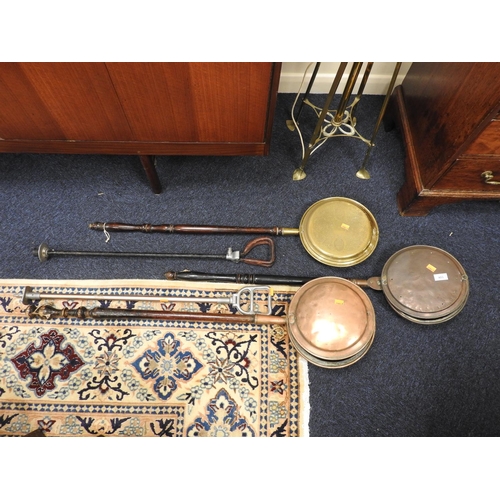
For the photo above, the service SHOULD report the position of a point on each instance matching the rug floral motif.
(145, 377)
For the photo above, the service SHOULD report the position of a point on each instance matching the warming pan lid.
(339, 232)
(331, 320)
(425, 284)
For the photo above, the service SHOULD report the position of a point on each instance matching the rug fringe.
(305, 407)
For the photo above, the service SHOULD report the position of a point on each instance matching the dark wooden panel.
(446, 105)
(488, 142)
(445, 112)
(71, 101)
(195, 102)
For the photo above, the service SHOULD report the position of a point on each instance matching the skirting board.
(292, 75)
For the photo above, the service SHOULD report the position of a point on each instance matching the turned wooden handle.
(82, 313)
(246, 279)
(180, 228)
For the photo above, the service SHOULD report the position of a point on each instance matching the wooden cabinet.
(143, 109)
(448, 114)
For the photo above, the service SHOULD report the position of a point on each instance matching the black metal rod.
(133, 254)
(43, 252)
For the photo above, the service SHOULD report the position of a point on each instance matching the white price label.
(441, 277)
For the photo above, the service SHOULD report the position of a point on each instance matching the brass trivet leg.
(339, 122)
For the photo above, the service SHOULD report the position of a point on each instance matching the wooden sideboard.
(449, 117)
(143, 109)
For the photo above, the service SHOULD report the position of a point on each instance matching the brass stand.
(341, 121)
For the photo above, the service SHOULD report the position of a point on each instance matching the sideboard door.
(59, 102)
(195, 102)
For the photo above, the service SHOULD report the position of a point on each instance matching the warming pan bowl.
(339, 232)
(425, 284)
(331, 322)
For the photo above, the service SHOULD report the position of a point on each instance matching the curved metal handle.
(265, 241)
(374, 283)
(488, 178)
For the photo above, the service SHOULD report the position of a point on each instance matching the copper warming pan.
(331, 321)
(425, 284)
(422, 283)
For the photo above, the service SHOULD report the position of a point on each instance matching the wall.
(292, 74)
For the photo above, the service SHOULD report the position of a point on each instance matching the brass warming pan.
(336, 231)
(331, 321)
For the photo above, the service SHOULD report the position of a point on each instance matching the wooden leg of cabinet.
(148, 163)
(417, 207)
(409, 198)
(421, 204)
(417, 204)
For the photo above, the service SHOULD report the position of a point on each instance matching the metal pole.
(362, 173)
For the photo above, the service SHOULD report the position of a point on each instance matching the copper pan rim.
(328, 363)
(430, 321)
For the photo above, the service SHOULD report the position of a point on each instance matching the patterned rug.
(144, 377)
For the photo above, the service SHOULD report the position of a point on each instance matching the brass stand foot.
(363, 174)
(290, 125)
(299, 174)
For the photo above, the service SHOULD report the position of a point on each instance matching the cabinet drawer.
(488, 142)
(465, 175)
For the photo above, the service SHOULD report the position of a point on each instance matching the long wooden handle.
(247, 279)
(50, 312)
(192, 229)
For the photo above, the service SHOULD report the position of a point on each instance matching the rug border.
(304, 403)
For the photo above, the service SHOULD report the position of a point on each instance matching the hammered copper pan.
(425, 284)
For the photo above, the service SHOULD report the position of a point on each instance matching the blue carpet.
(416, 380)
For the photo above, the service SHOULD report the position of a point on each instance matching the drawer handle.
(488, 177)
